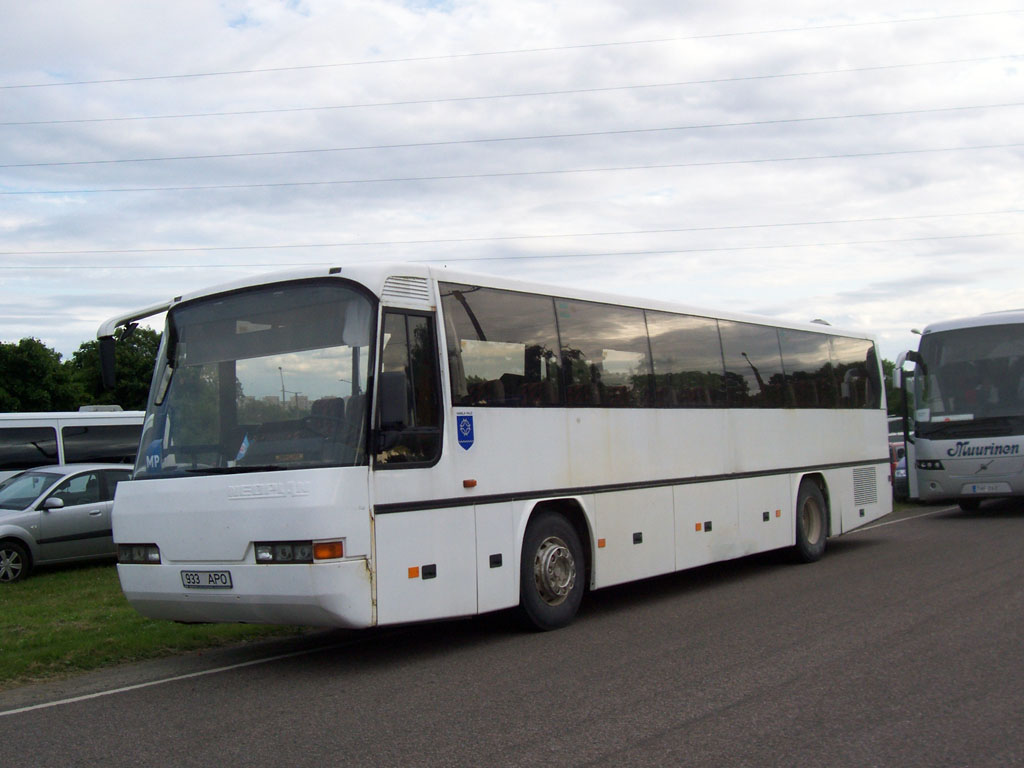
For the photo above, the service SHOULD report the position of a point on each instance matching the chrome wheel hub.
(554, 570)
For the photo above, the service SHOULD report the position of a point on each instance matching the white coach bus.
(374, 445)
(965, 436)
(91, 434)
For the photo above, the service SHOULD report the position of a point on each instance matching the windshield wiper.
(235, 470)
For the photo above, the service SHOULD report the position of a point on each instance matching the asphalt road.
(904, 646)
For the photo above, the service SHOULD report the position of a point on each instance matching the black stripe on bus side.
(76, 537)
(412, 506)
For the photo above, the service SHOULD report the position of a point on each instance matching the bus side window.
(408, 414)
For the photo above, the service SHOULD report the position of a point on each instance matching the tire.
(14, 562)
(969, 505)
(811, 523)
(551, 572)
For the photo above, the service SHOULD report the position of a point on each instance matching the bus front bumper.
(337, 594)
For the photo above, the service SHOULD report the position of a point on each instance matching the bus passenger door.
(425, 551)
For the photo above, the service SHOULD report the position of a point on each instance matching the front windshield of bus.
(264, 379)
(971, 378)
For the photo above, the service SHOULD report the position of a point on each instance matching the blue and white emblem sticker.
(464, 426)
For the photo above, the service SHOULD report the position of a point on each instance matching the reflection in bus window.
(607, 358)
(753, 365)
(502, 347)
(809, 382)
(856, 372)
(687, 355)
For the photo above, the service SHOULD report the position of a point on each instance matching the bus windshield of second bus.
(270, 378)
(971, 382)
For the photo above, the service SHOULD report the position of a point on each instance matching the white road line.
(901, 520)
(176, 678)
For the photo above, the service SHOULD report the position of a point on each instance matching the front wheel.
(14, 562)
(551, 572)
(811, 523)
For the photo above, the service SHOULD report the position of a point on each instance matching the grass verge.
(65, 621)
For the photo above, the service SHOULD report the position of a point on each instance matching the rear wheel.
(14, 562)
(551, 572)
(811, 522)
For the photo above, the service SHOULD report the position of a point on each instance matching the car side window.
(79, 489)
(113, 477)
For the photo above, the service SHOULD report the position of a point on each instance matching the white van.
(91, 434)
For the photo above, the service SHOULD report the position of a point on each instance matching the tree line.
(33, 377)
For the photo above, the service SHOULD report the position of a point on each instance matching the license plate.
(986, 488)
(206, 579)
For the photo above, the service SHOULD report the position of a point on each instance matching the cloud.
(876, 233)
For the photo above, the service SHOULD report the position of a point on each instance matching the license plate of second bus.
(986, 488)
(206, 579)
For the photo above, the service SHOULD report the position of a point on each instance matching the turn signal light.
(328, 550)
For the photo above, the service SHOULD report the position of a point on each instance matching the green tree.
(135, 357)
(32, 378)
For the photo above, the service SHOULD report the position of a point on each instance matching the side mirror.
(53, 503)
(107, 373)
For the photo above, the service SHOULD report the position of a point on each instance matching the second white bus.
(375, 445)
(966, 425)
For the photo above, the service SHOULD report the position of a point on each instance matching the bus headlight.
(928, 464)
(138, 554)
(277, 552)
(284, 552)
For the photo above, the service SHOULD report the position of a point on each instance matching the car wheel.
(14, 562)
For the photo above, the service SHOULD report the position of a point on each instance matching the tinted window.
(809, 382)
(80, 489)
(753, 365)
(114, 443)
(409, 410)
(26, 447)
(605, 354)
(502, 347)
(687, 356)
(856, 372)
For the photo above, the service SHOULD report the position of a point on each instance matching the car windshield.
(272, 378)
(21, 490)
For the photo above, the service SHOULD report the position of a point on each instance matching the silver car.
(57, 514)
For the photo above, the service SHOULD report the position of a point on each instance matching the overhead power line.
(497, 139)
(517, 95)
(530, 256)
(508, 174)
(505, 238)
(519, 51)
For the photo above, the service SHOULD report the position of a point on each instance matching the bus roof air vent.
(406, 291)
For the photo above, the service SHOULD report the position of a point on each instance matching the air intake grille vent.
(865, 486)
(404, 289)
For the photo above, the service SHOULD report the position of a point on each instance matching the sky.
(858, 163)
